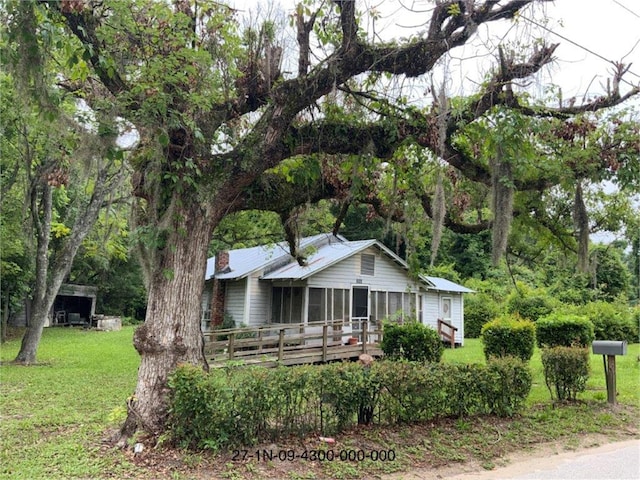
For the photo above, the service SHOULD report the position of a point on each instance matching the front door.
(359, 307)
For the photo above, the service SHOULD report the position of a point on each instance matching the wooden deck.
(291, 344)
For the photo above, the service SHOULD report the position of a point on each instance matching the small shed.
(74, 305)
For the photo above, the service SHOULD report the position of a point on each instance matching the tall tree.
(215, 115)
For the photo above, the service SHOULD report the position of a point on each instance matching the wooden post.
(260, 340)
(232, 341)
(325, 331)
(365, 335)
(611, 379)
(281, 345)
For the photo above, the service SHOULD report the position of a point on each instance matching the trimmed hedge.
(558, 330)
(246, 405)
(509, 335)
(566, 371)
(411, 341)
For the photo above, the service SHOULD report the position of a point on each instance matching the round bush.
(566, 371)
(564, 330)
(412, 341)
(478, 310)
(509, 335)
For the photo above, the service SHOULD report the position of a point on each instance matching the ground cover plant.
(56, 415)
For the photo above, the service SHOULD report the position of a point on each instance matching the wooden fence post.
(232, 341)
(325, 331)
(281, 345)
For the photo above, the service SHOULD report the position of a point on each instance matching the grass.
(56, 415)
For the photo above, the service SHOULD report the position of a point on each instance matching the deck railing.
(292, 343)
(447, 332)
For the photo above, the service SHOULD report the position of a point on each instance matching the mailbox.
(609, 347)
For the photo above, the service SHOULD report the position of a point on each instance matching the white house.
(345, 281)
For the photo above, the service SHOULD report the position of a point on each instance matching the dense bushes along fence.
(242, 406)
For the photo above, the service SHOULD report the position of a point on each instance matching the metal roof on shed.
(444, 285)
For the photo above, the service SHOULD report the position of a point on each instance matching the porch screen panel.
(395, 302)
(296, 304)
(382, 305)
(317, 312)
(286, 306)
(276, 305)
(338, 304)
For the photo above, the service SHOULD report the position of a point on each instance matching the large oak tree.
(221, 128)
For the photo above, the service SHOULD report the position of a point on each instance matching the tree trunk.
(171, 334)
(40, 306)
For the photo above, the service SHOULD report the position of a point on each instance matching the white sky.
(606, 28)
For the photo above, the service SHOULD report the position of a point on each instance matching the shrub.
(611, 321)
(509, 384)
(564, 330)
(509, 335)
(235, 406)
(566, 370)
(412, 341)
(529, 307)
(478, 310)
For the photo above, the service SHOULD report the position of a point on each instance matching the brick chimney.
(221, 265)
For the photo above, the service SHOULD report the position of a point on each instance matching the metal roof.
(322, 258)
(244, 261)
(278, 264)
(444, 285)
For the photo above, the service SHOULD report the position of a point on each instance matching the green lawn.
(55, 415)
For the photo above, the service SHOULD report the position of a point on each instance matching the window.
(367, 264)
(317, 308)
(328, 304)
(446, 308)
(395, 302)
(286, 306)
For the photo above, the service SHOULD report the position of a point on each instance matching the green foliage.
(242, 406)
(530, 306)
(564, 330)
(479, 309)
(411, 341)
(612, 276)
(509, 335)
(611, 321)
(566, 371)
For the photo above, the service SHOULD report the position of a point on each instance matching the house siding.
(387, 277)
(235, 300)
(432, 311)
(260, 294)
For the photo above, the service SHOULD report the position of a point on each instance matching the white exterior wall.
(388, 275)
(432, 311)
(259, 297)
(235, 300)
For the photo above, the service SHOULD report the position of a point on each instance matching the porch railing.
(288, 343)
(447, 332)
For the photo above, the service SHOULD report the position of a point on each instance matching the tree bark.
(171, 334)
(40, 306)
(51, 270)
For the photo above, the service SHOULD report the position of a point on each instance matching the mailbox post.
(609, 349)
